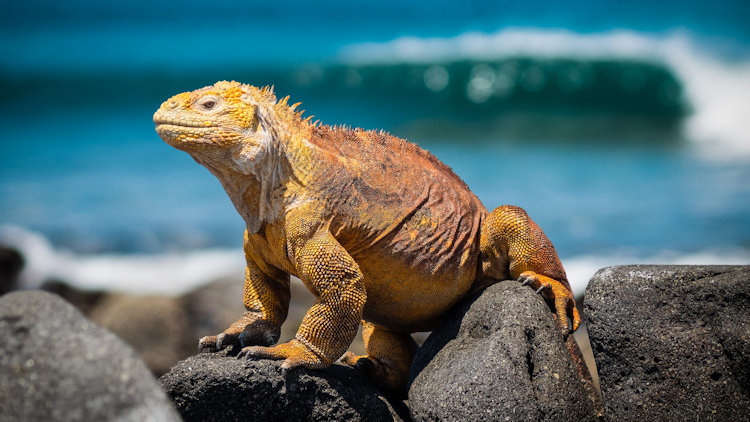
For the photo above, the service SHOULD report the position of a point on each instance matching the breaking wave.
(541, 84)
(672, 76)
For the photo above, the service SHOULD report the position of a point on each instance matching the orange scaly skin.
(378, 230)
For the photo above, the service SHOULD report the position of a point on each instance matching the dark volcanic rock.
(501, 357)
(219, 387)
(672, 342)
(57, 366)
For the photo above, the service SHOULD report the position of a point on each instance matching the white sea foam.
(167, 273)
(175, 273)
(717, 90)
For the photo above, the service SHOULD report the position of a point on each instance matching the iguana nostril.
(172, 104)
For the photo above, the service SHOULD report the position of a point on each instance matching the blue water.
(612, 150)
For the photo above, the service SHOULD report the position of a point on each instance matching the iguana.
(378, 229)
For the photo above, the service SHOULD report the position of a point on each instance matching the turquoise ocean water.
(623, 130)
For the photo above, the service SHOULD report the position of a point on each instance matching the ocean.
(623, 131)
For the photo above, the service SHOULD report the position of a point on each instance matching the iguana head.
(237, 131)
(221, 115)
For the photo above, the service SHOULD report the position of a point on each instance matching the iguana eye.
(208, 103)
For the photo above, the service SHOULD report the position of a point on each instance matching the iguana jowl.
(379, 230)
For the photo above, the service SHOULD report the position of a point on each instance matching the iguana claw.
(248, 331)
(563, 302)
(220, 341)
(208, 342)
(217, 342)
(244, 339)
(543, 286)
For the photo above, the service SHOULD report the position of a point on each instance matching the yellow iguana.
(378, 229)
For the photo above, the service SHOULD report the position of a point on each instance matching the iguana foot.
(557, 293)
(360, 362)
(350, 359)
(294, 353)
(250, 329)
(388, 359)
(386, 377)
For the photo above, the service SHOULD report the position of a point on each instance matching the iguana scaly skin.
(378, 230)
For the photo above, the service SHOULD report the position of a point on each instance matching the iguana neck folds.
(260, 169)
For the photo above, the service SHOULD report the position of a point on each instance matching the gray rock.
(499, 356)
(672, 342)
(57, 366)
(220, 387)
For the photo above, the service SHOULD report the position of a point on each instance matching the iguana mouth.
(178, 131)
(183, 123)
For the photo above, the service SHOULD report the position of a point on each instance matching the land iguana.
(378, 229)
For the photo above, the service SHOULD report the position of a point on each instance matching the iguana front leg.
(512, 245)
(266, 299)
(331, 323)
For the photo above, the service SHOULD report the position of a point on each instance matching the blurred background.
(622, 128)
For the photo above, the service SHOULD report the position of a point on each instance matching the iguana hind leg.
(389, 356)
(513, 246)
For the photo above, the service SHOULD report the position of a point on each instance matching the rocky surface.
(672, 342)
(56, 365)
(499, 356)
(220, 387)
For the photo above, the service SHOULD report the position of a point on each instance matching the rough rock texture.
(219, 387)
(57, 366)
(499, 357)
(672, 342)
